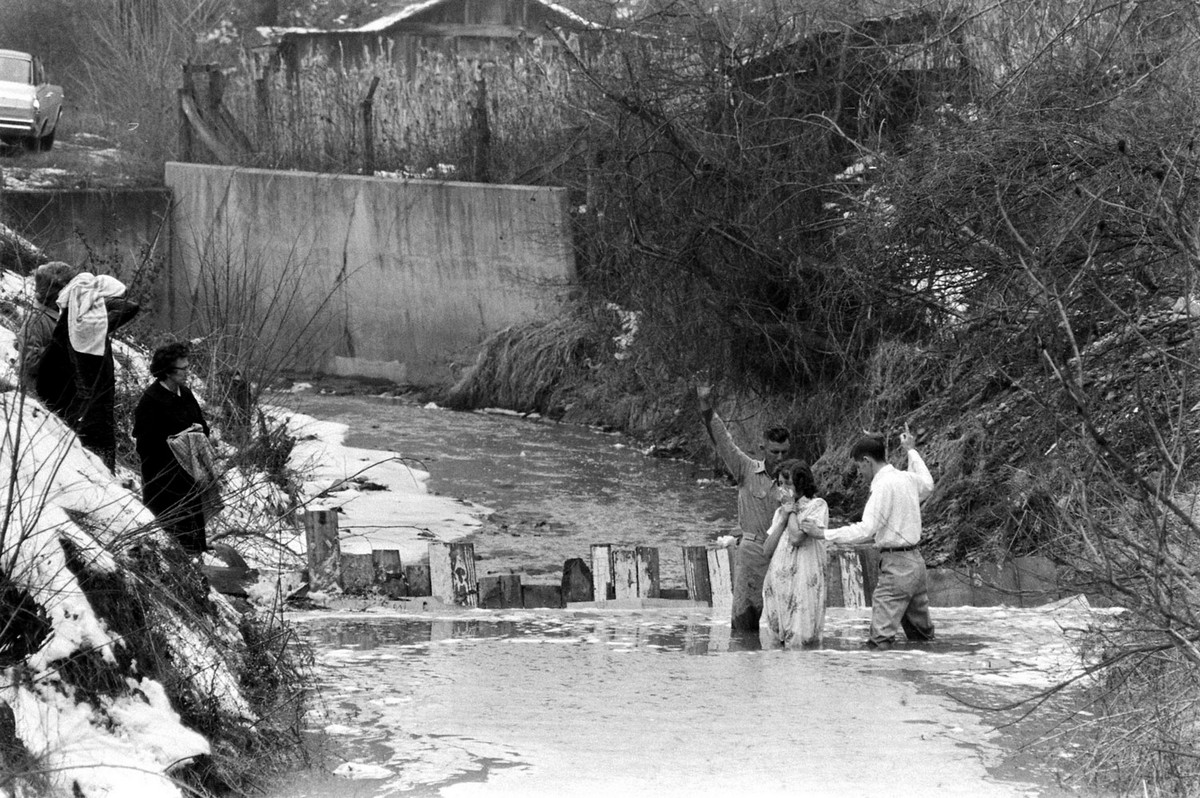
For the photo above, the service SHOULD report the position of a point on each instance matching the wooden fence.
(622, 577)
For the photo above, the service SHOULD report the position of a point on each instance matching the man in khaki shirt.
(892, 521)
(756, 507)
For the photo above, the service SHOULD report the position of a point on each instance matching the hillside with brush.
(981, 220)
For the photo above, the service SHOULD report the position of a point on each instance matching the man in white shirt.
(892, 521)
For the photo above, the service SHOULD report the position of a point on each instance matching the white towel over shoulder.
(87, 316)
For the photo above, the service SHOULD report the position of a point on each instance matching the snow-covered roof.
(411, 9)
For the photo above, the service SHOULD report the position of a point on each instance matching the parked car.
(30, 107)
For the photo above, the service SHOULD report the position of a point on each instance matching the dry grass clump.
(529, 367)
(1141, 735)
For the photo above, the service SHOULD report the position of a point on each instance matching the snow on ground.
(120, 745)
(382, 502)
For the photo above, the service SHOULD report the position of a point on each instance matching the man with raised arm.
(756, 507)
(892, 521)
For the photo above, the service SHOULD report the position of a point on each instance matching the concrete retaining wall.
(359, 275)
(120, 226)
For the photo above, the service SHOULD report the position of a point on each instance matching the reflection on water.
(659, 703)
(655, 703)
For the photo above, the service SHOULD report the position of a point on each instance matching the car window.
(14, 69)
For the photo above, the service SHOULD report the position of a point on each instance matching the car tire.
(46, 142)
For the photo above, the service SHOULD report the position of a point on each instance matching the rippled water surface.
(460, 702)
(556, 488)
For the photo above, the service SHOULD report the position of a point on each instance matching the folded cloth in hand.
(194, 452)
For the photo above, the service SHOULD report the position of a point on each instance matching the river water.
(458, 702)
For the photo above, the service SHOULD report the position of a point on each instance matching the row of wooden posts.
(617, 575)
(630, 576)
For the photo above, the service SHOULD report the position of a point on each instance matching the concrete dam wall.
(361, 276)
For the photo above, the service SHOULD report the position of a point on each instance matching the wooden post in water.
(647, 572)
(720, 576)
(416, 578)
(500, 591)
(625, 573)
(850, 571)
(452, 573)
(389, 573)
(324, 550)
(602, 572)
(490, 597)
(695, 573)
(357, 572)
(576, 581)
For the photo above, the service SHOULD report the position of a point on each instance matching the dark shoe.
(871, 645)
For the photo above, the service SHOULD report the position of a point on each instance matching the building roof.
(406, 10)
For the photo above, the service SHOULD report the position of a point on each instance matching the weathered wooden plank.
(490, 597)
(452, 573)
(853, 578)
(720, 574)
(324, 550)
(466, 586)
(602, 572)
(577, 580)
(695, 573)
(500, 591)
(834, 596)
(357, 572)
(387, 564)
(625, 573)
(416, 579)
(541, 596)
(389, 572)
(647, 571)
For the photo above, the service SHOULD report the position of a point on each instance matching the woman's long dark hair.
(801, 476)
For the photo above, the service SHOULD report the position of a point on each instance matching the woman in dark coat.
(80, 386)
(167, 407)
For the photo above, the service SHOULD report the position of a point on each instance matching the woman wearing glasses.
(166, 409)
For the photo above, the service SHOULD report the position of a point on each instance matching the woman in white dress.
(794, 589)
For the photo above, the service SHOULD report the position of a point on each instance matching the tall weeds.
(423, 114)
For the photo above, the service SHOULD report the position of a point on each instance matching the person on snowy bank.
(892, 521)
(166, 409)
(38, 328)
(77, 375)
(756, 507)
(794, 589)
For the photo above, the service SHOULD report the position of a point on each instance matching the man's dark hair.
(869, 447)
(163, 359)
(777, 434)
(802, 477)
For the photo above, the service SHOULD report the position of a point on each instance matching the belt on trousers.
(900, 548)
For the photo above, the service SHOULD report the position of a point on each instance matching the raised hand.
(907, 439)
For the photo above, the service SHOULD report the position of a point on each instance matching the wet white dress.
(794, 589)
